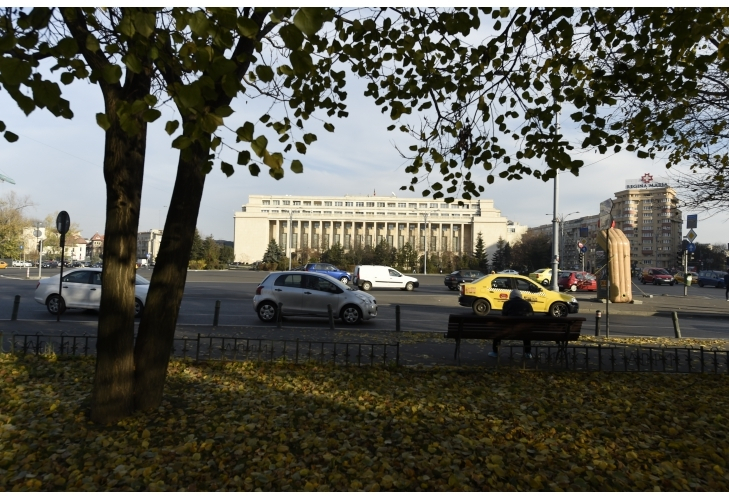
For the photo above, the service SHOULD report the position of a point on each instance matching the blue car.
(711, 278)
(329, 270)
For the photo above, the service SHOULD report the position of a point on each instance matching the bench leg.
(457, 353)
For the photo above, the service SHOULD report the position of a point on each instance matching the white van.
(368, 277)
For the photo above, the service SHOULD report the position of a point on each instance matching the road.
(423, 310)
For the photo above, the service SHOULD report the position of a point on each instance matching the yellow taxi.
(491, 291)
(543, 276)
(694, 277)
(3, 264)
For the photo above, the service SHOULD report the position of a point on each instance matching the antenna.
(5, 178)
(393, 194)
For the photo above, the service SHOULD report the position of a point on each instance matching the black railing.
(204, 348)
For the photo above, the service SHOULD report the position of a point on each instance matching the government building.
(318, 222)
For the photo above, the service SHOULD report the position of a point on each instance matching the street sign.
(691, 221)
(580, 244)
(691, 236)
(583, 240)
(63, 222)
(583, 249)
(37, 233)
(691, 248)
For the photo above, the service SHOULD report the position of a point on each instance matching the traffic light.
(582, 258)
(39, 246)
(679, 258)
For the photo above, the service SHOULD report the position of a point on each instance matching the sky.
(58, 164)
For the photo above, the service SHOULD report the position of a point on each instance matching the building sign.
(647, 181)
(691, 221)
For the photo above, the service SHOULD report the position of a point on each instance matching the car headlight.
(574, 299)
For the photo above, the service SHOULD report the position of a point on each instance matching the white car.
(21, 263)
(81, 289)
(369, 277)
(301, 293)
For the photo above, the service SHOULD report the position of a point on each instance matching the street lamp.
(560, 220)
(38, 234)
(425, 246)
(288, 241)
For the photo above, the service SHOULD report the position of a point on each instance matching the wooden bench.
(546, 328)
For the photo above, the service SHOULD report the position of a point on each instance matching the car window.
(501, 283)
(331, 267)
(523, 285)
(322, 284)
(565, 274)
(394, 273)
(96, 280)
(141, 281)
(78, 277)
(290, 280)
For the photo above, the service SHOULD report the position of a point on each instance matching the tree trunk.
(157, 329)
(113, 391)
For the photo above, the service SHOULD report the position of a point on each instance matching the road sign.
(580, 244)
(691, 221)
(63, 222)
(583, 249)
(583, 240)
(691, 236)
(691, 248)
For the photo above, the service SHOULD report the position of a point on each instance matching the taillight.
(258, 290)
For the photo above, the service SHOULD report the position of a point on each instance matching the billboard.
(647, 181)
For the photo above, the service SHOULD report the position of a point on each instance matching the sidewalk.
(695, 306)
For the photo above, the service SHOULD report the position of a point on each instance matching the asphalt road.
(424, 310)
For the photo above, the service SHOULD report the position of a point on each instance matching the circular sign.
(580, 244)
(37, 233)
(63, 222)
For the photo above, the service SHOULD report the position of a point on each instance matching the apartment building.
(148, 243)
(322, 221)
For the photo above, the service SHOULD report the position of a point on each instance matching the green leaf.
(10, 137)
(245, 133)
(259, 145)
(247, 27)
(14, 71)
(132, 62)
(301, 62)
(329, 127)
(189, 95)
(151, 115)
(150, 100)
(144, 23)
(301, 148)
(111, 73)
(92, 43)
(254, 169)
(309, 20)
(103, 121)
(67, 78)
(264, 73)
(227, 168)
(210, 122)
(273, 160)
(244, 157)
(224, 111)
(171, 126)
(297, 167)
(292, 36)
(67, 47)
(265, 118)
(2, 126)
(181, 142)
(309, 138)
(199, 23)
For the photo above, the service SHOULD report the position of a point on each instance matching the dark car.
(49, 264)
(712, 278)
(461, 276)
(329, 270)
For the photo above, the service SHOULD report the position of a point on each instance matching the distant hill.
(224, 243)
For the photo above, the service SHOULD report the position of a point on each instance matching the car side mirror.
(533, 289)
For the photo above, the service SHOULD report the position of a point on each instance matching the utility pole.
(425, 255)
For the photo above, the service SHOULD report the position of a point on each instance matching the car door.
(498, 292)
(288, 290)
(532, 293)
(319, 292)
(76, 289)
(95, 289)
(394, 279)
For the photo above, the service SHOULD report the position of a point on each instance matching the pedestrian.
(726, 285)
(515, 306)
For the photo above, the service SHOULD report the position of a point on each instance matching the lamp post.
(38, 235)
(288, 241)
(425, 246)
(558, 241)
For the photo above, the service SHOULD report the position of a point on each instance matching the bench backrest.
(514, 328)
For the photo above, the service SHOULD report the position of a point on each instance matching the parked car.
(81, 289)
(492, 291)
(310, 294)
(455, 278)
(679, 277)
(657, 276)
(21, 263)
(577, 280)
(507, 271)
(329, 270)
(711, 278)
(3, 264)
(368, 277)
(49, 264)
(77, 263)
(543, 276)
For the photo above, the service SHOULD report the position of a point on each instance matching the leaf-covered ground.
(240, 426)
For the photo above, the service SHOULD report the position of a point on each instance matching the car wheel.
(138, 308)
(344, 280)
(366, 286)
(481, 307)
(267, 312)
(351, 314)
(642, 281)
(545, 282)
(409, 286)
(558, 310)
(56, 304)
(573, 288)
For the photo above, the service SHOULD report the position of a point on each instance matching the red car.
(577, 280)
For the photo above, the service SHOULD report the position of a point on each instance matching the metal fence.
(209, 348)
(620, 358)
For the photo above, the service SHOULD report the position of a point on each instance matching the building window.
(276, 202)
(433, 205)
(391, 205)
(381, 204)
(327, 203)
(315, 240)
(297, 203)
(369, 240)
(287, 202)
(294, 240)
(400, 241)
(389, 241)
(402, 205)
(413, 205)
(370, 203)
(266, 202)
(360, 203)
(265, 211)
(347, 241)
(337, 203)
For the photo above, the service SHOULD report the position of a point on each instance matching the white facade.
(322, 221)
(148, 244)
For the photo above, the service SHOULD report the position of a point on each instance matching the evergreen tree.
(211, 253)
(226, 255)
(507, 256)
(335, 256)
(497, 261)
(382, 255)
(273, 253)
(480, 254)
(197, 252)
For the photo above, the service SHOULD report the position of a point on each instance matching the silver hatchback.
(310, 294)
